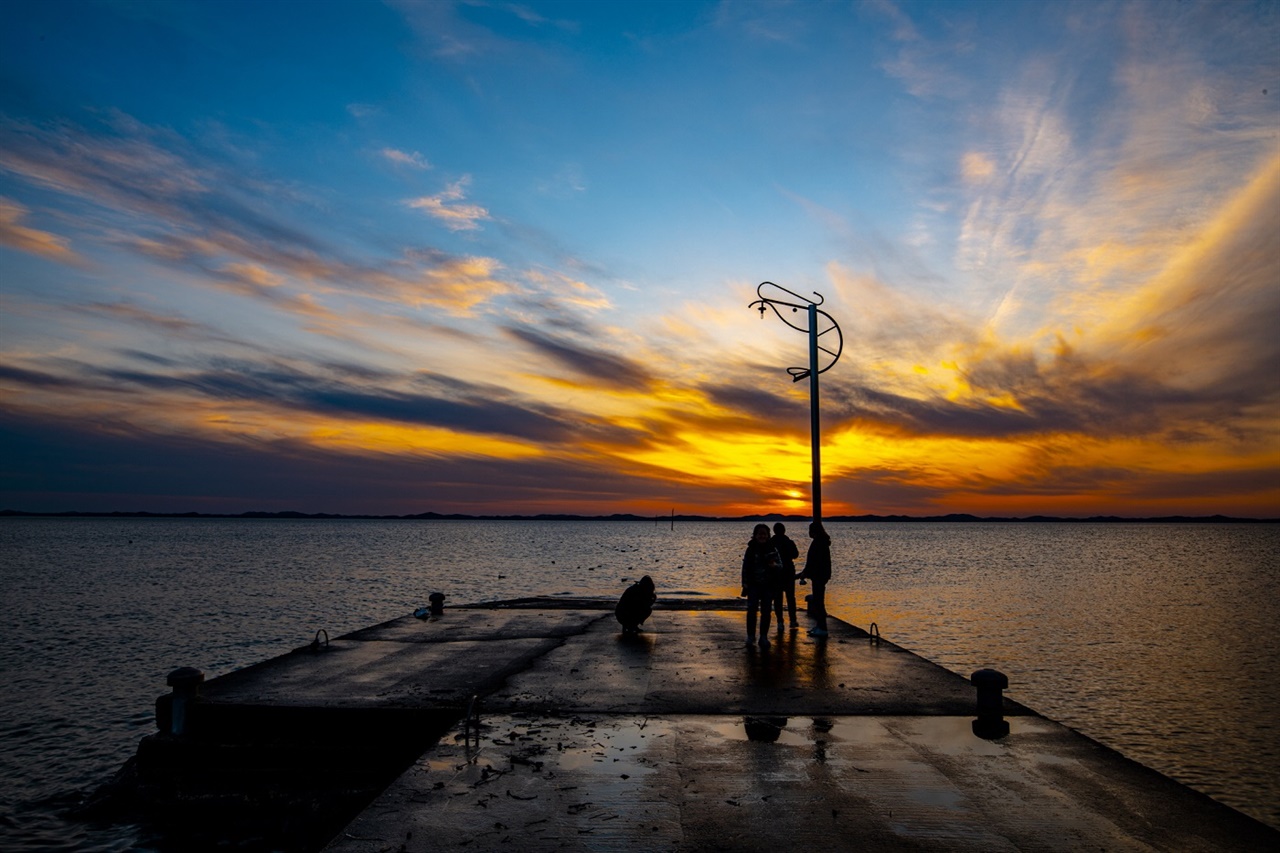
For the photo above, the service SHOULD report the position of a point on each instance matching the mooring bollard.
(437, 603)
(991, 723)
(185, 682)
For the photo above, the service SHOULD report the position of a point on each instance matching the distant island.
(437, 516)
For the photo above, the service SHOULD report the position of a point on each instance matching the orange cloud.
(1210, 316)
(447, 207)
(18, 236)
(976, 167)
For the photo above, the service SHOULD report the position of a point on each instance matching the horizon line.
(1216, 518)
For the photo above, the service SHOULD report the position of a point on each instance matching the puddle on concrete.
(782, 731)
(945, 798)
(952, 735)
(612, 743)
(559, 743)
(612, 750)
(947, 735)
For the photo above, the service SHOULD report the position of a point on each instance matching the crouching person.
(635, 605)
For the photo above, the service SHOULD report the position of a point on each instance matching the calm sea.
(1159, 640)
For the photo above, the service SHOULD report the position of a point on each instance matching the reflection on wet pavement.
(754, 782)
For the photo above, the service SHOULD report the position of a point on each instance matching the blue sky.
(495, 257)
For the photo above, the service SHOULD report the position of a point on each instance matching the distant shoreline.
(436, 516)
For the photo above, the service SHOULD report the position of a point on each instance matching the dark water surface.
(1158, 640)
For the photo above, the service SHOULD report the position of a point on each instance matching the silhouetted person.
(760, 567)
(789, 553)
(817, 568)
(635, 605)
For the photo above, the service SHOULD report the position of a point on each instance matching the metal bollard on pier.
(185, 681)
(991, 723)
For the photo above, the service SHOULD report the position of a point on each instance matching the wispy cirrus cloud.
(923, 65)
(453, 37)
(169, 203)
(15, 235)
(153, 186)
(902, 28)
(1186, 353)
(449, 206)
(763, 22)
(1078, 187)
(1206, 321)
(406, 159)
(136, 314)
(123, 166)
(274, 272)
(558, 288)
(569, 180)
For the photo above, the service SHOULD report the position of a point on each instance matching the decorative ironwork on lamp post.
(815, 328)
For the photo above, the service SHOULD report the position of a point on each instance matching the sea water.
(1158, 640)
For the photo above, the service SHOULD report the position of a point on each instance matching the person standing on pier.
(760, 568)
(789, 553)
(817, 568)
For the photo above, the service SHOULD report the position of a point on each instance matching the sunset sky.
(490, 257)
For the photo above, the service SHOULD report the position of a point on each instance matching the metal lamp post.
(814, 331)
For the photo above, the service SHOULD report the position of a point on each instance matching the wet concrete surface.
(714, 782)
(697, 662)
(408, 662)
(684, 661)
(684, 738)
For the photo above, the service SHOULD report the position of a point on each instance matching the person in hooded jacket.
(789, 553)
(817, 568)
(760, 568)
(635, 605)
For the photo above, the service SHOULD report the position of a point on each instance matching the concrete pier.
(559, 733)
